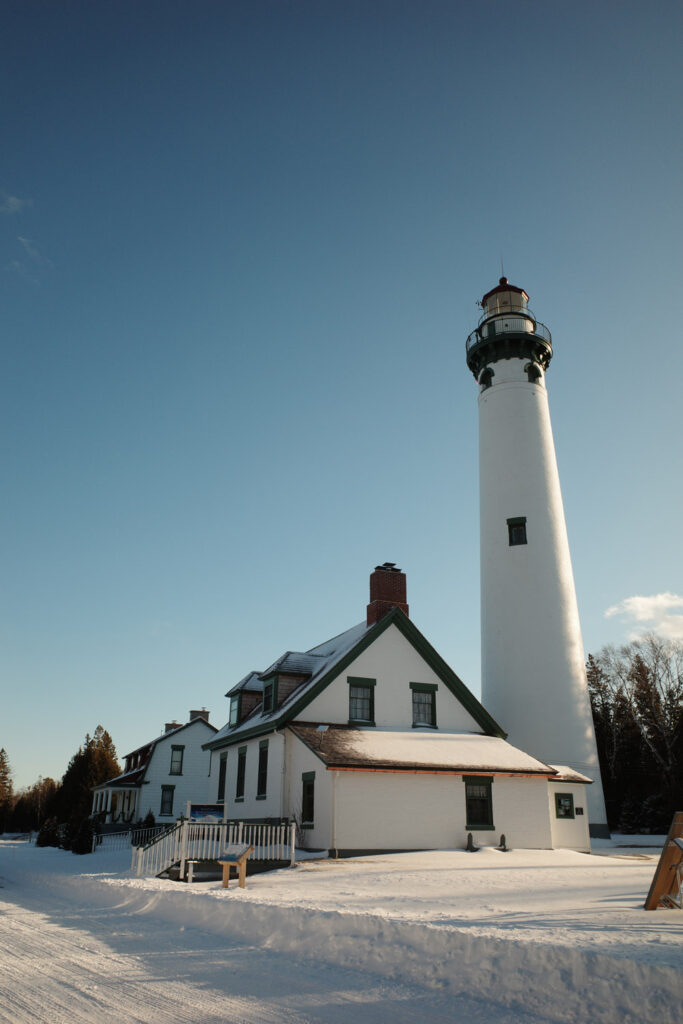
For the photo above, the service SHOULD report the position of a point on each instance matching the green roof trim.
(412, 634)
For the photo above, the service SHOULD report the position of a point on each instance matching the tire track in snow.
(71, 973)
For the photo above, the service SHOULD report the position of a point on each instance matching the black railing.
(510, 325)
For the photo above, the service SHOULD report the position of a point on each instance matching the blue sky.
(240, 250)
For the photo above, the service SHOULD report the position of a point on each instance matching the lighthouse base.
(599, 831)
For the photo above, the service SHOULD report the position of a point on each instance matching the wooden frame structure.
(235, 857)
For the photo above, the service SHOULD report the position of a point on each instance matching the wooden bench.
(235, 857)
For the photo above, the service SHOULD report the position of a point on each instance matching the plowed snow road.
(67, 963)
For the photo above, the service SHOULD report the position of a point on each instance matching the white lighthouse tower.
(533, 673)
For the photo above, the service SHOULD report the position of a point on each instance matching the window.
(424, 705)
(478, 803)
(361, 700)
(241, 770)
(234, 709)
(564, 805)
(269, 694)
(222, 770)
(307, 799)
(262, 781)
(167, 800)
(177, 760)
(517, 531)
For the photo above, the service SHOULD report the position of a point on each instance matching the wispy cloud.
(13, 204)
(31, 249)
(32, 260)
(658, 613)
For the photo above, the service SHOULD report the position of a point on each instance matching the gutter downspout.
(333, 823)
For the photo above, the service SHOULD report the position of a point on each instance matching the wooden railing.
(190, 840)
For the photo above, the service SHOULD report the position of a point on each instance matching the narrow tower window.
(517, 531)
(533, 373)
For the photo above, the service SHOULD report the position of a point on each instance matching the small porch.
(115, 803)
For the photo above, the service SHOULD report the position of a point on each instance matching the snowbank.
(556, 933)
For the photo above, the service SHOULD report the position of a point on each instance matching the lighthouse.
(533, 670)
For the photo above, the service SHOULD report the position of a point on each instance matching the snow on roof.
(252, 681)
(565, 773)
(295, 662)
(326, 656)
(344, 640)
(417, 749)
(132, 778)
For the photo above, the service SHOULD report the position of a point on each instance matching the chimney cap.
(387, 567)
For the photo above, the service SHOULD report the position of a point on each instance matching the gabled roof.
(335, 655)
(348, 747)
(136, 776)
(165, 735)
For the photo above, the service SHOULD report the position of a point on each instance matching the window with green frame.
(424, 705)
(361, 700)
(478, 802)
(564, 805)
(235, 702)
(262, 778)
(241, 772)
(308, 800)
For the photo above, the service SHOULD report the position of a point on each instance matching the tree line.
(636, 693)
(60, 810)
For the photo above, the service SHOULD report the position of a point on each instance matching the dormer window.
(269, 694)
(235, 709)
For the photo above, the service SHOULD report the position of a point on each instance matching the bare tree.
(641, 684)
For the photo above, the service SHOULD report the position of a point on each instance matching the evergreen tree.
(5, 791)
(93, 763)
(33, 805)
(637, 699)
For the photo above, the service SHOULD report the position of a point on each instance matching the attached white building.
(160, 776)
(371, 742)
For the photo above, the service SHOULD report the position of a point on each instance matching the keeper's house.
(160, 776)
(372, 743)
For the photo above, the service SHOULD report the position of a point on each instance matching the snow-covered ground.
(515, 938)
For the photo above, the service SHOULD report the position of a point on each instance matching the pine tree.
(5, 790)
(637, 699)
(93, 763)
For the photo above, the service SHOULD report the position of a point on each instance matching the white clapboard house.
(371, 742)
(160, 776)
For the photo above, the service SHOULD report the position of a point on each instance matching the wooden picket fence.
(190, 840)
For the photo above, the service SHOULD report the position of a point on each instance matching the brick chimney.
(387, 591)
(200, 714)
(170, 726)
